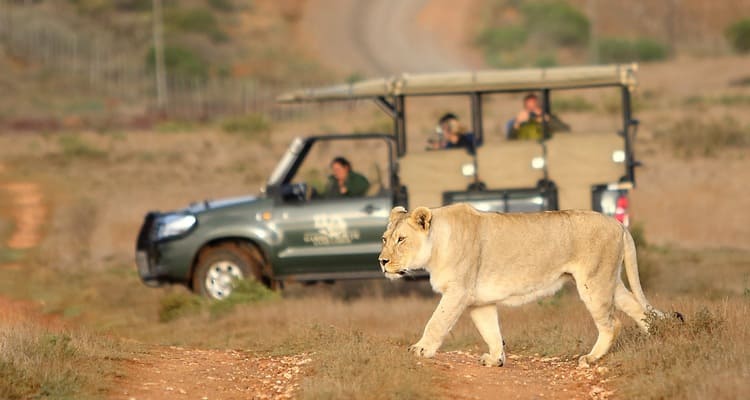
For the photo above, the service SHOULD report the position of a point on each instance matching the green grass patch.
(74, 146)
(182, 304)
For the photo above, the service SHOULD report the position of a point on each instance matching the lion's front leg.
(488, 325)
(445, 316)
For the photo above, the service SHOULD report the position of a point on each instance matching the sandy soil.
(176, 372)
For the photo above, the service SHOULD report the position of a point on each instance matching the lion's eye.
(401, 239)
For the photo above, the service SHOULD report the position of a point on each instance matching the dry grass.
(84, 273)
(39, 362)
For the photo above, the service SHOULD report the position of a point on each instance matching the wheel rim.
(221, 277)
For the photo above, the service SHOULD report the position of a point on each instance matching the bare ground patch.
(167, 372)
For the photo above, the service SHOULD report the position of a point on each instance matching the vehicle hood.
(206, 205)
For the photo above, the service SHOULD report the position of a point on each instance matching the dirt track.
(386, 37)
(169, 372)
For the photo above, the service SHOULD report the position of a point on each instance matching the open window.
(369, 173)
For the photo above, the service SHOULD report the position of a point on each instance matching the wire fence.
(98, 63)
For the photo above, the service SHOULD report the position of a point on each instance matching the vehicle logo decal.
(330, 229)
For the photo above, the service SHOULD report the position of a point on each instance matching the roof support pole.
(627, 119)
(476, 117)
(400, 124)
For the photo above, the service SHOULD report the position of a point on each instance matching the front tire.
(219, 267)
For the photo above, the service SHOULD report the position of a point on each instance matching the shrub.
(556, 22)
(180, 63)
(545, 60)
(245, 292)
(738, 35)
(496, 39)
(624, 50)
(196, 21)
(176, 305)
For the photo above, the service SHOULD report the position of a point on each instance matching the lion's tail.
(631, 271)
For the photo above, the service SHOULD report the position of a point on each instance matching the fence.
(101, 63)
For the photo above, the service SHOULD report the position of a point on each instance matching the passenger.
(452, 135)
(343, 182)
(528, 123)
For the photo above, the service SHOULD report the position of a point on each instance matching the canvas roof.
(473, 81)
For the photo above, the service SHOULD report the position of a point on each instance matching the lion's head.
(406, 243)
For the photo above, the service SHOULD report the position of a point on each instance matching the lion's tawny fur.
(477, 260)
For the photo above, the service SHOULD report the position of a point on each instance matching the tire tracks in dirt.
(384, 37)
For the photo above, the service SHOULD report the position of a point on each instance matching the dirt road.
(384, 37)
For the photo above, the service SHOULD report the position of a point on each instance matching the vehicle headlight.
(175, 224)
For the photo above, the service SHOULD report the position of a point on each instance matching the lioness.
(477, 259)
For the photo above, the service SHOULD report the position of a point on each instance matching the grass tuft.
(355, 365)
(176, 305)
(181, 304)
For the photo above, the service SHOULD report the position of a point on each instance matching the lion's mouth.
(397, 274)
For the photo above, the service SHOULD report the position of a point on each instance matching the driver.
(343, 182)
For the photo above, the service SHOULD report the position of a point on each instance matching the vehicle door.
(324, 235)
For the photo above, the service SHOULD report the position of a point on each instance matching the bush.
(623, 50)
(245, 292)
(196, 21)
(556, 22)
(738, 35)
(180, 63)
(545, 61)
(497, 39)
(692, 137)
(176, 305)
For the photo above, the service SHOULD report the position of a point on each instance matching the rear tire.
(219, 266)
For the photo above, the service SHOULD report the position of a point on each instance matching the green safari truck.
(293, 231)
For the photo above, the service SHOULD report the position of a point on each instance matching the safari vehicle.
(292, 232)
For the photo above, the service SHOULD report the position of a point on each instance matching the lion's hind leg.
(626, 301)
(599, 301)
(488, 325)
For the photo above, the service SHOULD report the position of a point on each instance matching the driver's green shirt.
(356, 186)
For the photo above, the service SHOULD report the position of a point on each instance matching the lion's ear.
(421, 217)
(396, 212)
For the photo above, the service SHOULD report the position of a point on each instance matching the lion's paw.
(489, 361)
(583, 361)
(422, 351)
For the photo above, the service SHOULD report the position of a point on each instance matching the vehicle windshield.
(285, 164)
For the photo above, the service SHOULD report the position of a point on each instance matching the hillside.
(95, 60)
